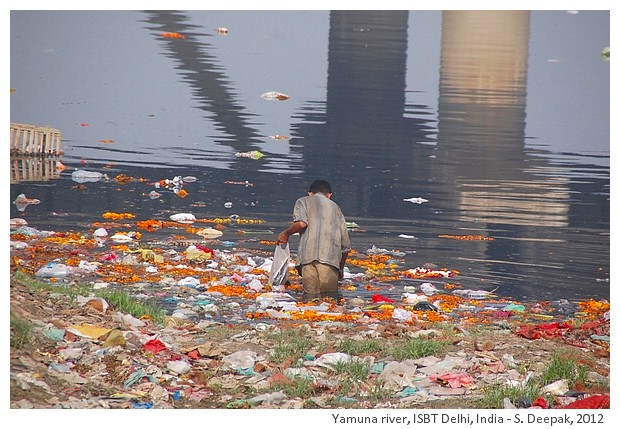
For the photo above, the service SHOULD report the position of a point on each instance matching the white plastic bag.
(279, 268)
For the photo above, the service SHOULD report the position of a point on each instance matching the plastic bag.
(279, 268)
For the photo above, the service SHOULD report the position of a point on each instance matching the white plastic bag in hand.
(279, 268)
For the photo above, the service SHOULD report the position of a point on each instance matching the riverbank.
(229, 341)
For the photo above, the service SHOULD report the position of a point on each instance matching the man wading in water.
(324, 241)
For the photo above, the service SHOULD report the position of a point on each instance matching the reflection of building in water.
(33, 169)
(367, 131)
(481, 131)
(515, 203)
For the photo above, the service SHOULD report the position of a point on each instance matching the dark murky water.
(500, 120)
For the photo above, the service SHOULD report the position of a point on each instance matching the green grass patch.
(297, 387)
(493, 396)
(356, 370)
(290, 344)
(122, 301)
(360, 347)
(416, 348)
(21, 332)
(564, 366)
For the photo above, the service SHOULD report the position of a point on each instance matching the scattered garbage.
(253, 154)
(229, 288)
(85, 176)
(416, 200)
(280, 137)
(21, 202)
(274, 95)
(175, 185)
(183, 217)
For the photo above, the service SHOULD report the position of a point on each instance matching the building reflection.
(363, 129)
(481, 129)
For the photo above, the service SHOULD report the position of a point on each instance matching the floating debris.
(121, 238)
(416, 200)
(467, 237)
(172, 35)
(254, 154)
(246, 183)
(279, 137)
(221, 30)
(183, 218)
(116, 216)
(17, 222)
(274, 95)
(605, 53)
(209, 233)
(22, 202)
(84, 176)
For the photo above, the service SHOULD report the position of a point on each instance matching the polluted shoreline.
(207, 285)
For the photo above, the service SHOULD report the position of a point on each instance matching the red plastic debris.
(591, 402)
(194, 354)
(546, 330)
(540, 402)
(379, 298)
(154, 346)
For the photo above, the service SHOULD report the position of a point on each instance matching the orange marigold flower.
(115, 216)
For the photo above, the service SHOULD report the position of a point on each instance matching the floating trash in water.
(22, 202)
(172, 35)
(175, 185)
(417, 200)
(209, 233)
(189, 179)
(474, 294)
(232, 182)
(183, 218)
(228, 204)
(428, 289)
(121, 238)
(154, 195)
(279, 137)
(18, 222)
(467, 237)
(254, 154)
(274, 95)
(84, 176)
(221, 30)
(605, 53)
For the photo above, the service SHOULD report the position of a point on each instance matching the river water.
(498, 120)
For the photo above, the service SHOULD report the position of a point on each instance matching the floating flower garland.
(467, 237)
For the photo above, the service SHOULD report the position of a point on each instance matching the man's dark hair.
(321, 186)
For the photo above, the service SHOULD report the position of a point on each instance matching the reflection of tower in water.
(481, 129)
